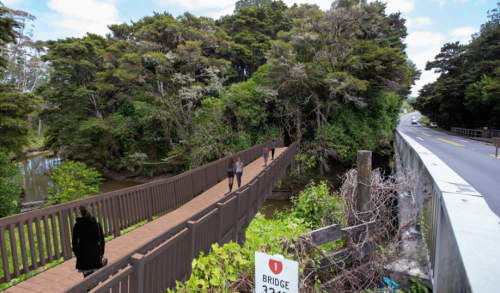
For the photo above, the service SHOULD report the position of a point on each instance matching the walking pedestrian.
(273, 146)
(88, 243)
(265, 151)
(239, 171)
(230, 173)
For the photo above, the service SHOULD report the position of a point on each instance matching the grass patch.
(36, 144)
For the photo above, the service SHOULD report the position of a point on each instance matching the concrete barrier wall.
(463, 234)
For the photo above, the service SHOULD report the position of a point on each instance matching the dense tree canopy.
(252, 28)
(166, 94)
(466, 93)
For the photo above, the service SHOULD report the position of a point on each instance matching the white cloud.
(424, 39)
(197, 4)
(217, 14)
(462, 34)
(323, 4)
(423, 46)
(418, 22)
(10, 2)
(76, 18)
(441, 3)
(399, 6)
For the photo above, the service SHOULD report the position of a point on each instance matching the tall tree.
(460, 95)
(332, 60)
(78, 103)
(15, 107)
(252, 28)
(251, 3)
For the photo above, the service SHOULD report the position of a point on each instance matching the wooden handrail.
(179, 242)
(116, 211)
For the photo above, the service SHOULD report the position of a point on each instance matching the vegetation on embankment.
(466, 94)
(230, 268)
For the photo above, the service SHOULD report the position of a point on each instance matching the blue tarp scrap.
(388, 283)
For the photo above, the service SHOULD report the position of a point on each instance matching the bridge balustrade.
(44, 235)
(461, 233)
(168, 259)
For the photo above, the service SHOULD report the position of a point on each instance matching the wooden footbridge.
(195, 209)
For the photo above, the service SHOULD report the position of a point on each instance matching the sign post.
(275, 274)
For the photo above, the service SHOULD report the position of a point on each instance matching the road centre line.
(425, 134)
(498, 157)
(450, 142)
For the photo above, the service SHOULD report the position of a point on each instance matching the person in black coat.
(88, 242)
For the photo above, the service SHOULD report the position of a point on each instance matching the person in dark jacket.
(273, 148)
(230, 173)
(88, 242)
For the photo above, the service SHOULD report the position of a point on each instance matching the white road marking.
(420, 138)
(460, 140)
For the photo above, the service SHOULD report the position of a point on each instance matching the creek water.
(36, 182)
(270, 206)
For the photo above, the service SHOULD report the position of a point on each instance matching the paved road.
(474, 161)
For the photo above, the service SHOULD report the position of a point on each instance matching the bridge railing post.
(237, 216)
(191, 225)
(66, 236)
(137, 277)
(116, 216)
(242, 237)
(220, 208)
(149, 204)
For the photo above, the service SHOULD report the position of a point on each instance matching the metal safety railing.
(487, 133)
(461, 232)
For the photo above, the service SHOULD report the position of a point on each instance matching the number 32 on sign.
(274, 274)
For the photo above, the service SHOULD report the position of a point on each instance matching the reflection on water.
(36, 182)
(111, 184)
(35, 179)
(270, 206)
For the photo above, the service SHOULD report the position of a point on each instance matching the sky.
(430, 23)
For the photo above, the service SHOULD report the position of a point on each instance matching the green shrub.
(318, 206)
(73, 181)
(231, 264)
(9, 188)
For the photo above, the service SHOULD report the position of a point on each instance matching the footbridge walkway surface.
(152, 257)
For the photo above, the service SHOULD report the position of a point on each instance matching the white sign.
(274, 274)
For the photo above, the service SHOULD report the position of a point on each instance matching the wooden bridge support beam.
(242, 237)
